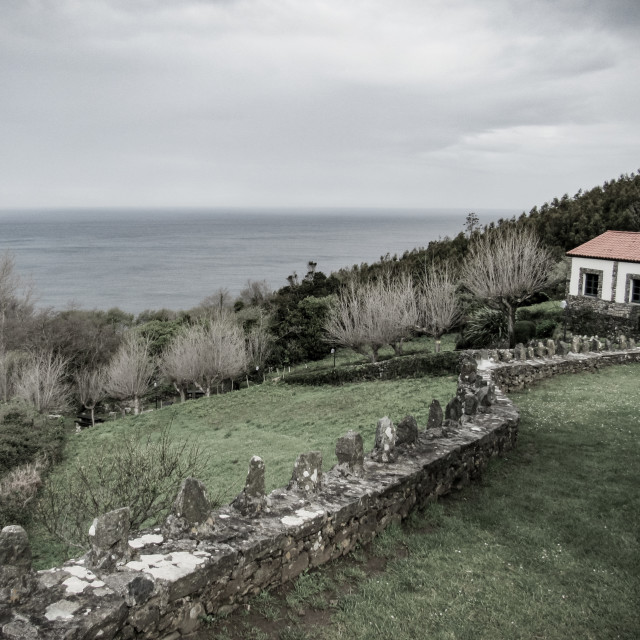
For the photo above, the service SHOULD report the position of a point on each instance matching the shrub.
(485, 328)
(413, 366)
(17, 491)
(143, 474)
(26, 437)
(524, 331)
(545, 328)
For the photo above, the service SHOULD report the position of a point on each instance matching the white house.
(605, 277)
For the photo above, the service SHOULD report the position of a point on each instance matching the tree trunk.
(136, 405)
(511, 324)
(92, 408)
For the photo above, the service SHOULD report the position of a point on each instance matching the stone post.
(350, 454)
(385, 449)
(407, 431)
(435, 415)
(109, 540)
(307, 472)
(252, 500)
(190, 512)
(15, 564)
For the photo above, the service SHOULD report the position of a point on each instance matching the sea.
(152, 259)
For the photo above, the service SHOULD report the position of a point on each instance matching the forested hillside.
(562, 224)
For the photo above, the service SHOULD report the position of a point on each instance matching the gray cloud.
(275, 102)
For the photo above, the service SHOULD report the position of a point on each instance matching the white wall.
(624, 268)
(606, 266)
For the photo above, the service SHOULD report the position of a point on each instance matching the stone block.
(470, 405)
(350, 453)
(435, 415)
(468, 370)
(520, 352)
(385, 447)
(453, 410)
(407, 431)
(551, 347)
(307, 472)
(252, 500)
(109, 540)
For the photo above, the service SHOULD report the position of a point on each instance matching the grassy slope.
(546, 547)
(276, 422)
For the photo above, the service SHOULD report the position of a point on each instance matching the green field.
(274, 421)
(546, 546)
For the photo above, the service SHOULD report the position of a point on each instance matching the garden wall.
(162, 583)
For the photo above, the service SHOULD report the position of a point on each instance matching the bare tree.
(180, 363)
(438, 307)
(90, 388)
(40, 382)
(256, 292)
(370, 315)
(128, 375)
(222, 354)
(259, 343)
(505, 267)
(16, 304)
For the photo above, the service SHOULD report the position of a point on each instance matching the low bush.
(17, 490)
(545, 328)
(413, 366)
(524, 331)
(26, 437)
(141, 473)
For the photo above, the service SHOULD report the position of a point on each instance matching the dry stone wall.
(162, 583)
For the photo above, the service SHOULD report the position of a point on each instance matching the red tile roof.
(611, 245)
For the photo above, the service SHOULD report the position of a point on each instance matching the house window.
(591, 284)
(635, 290)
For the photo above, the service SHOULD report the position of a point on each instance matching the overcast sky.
(290, 103)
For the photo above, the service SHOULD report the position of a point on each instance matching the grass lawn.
(274, 421)
(546, 546)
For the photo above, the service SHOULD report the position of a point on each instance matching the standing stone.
(585, 347)
(385, 449)
(468, 371)
(190, 512)
(563, 348)
(632, 343)
(350, 454)
(576, 344)
(520, 352)
(435, 415)
(486, 395)
(623, 342)
(596, 345)
(531, 354)
(252, 500)
(15, 565)
(608, 345)
(470, 405)
(551, 347)
(505, 355)
(307, 472)
(109, 540)
(192, 503)
(453, 410)
(407, 431)
(540, 350)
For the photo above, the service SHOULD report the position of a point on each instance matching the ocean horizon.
(174, 258)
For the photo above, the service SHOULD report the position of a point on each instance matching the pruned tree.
(438, 307)
(506, 266)
(16, 305)
(40, 382)
(367, 316)
(259, 343)
(180, 363)
(129, 373)
(90, 389)
(222, 354)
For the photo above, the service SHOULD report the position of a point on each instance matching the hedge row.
(413, 366)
